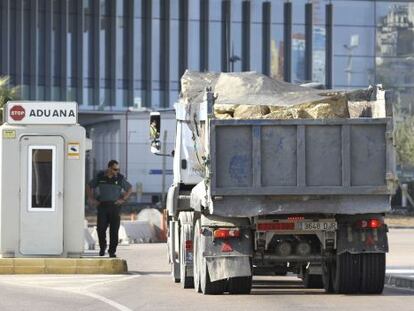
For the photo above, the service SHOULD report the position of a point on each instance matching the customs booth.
(42, 172)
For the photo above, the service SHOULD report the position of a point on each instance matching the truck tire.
(281, 270)
(240, 285)
(208, 287)
(185, 234)
(346, 273)
(327, 277)
(173, 241)
(197, 258)
(312, 280)
(202, 281)
(373, 273)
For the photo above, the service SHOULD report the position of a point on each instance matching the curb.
(63, 266)
(400, 227)
(399, 281)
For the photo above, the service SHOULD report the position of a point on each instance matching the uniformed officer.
(154, 134)
(113, 191)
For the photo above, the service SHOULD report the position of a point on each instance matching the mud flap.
(221, 268)
(362, 241)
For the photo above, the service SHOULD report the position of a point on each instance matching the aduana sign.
(41, 113)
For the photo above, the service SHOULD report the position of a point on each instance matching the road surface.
(149, 287)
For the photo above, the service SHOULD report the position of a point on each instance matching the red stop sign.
(17, 113)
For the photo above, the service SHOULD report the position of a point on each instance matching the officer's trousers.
(108, 215)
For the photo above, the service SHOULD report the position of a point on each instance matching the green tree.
(404, 141)
(7, 93)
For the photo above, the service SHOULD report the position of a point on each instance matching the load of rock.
(251, 95)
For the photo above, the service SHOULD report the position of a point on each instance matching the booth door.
(41, 195)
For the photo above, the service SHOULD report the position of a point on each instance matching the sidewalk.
(401, 278)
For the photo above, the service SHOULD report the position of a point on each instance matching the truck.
(272, 196)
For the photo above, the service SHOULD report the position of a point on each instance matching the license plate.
(319, 225)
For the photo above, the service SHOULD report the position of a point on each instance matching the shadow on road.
(282, 287)
(293, 287)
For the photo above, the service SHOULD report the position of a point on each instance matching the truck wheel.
(281, 270)
(312, 280)
(373, 273)
(346, 273)
(197, 258)
(327, 277)
(208, 287)
(174, 257)
(240, 285)
(185, 234)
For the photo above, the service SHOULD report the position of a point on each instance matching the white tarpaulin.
(251, 95)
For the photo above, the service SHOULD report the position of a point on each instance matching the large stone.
(359, 109)
(224, 109)
(251, 112)
(223, 116)
(331, 108)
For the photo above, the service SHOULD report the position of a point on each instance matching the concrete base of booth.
(63, 266)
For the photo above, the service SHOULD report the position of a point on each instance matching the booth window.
(41, 177)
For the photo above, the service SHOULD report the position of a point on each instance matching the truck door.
(41, 195)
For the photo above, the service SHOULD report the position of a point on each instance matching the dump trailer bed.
(341, 166)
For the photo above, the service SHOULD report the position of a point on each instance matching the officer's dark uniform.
(109, 190)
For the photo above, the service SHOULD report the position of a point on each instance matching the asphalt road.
(149, 287)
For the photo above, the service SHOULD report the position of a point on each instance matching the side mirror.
(154, 131)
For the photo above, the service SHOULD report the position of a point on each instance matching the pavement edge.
(399, 282)
(63, 266)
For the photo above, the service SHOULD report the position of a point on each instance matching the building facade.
(111, 55)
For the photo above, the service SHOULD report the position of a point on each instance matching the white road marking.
(79, 289)
(110, 302)
(113, 281)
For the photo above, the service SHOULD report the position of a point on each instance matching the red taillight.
(374, 223)
(226, 233)
(276, 226)
(188, 245)
(369, 224)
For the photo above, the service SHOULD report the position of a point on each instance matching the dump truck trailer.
(277, 196)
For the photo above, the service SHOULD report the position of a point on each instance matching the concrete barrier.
(140, 231)
(130, 232)
(156, 218)
(152, 215)
(90, 242)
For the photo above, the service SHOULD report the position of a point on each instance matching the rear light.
(369, 224)
(226, 233)
(188, 245)
(275, 226)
